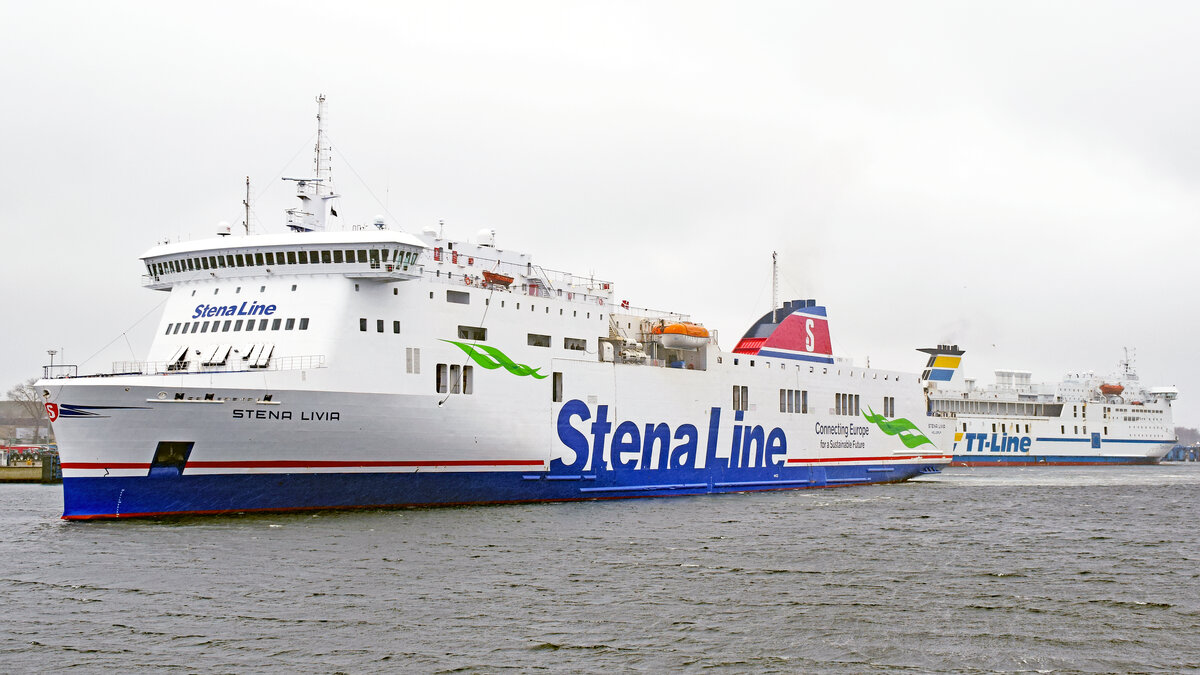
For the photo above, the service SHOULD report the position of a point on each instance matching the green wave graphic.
(491, 358)
(897, 427)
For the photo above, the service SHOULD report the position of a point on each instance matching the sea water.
(1034, 569)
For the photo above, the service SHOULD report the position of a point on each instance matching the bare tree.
(30, 399)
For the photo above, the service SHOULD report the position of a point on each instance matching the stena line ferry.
(1083, 419)
(349, 367)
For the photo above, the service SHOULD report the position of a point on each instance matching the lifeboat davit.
(682, 335)
(1111, 389)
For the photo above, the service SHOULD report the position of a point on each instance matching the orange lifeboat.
(681, 335)
(1111, 389)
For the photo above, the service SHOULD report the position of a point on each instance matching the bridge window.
(326, 257)
(258, 259)
(270, 257)
(337, 256)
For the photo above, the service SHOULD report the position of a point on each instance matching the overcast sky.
(1017, 177)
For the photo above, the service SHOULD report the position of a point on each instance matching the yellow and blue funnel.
(943, 361)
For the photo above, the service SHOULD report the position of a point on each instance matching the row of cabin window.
(464, 298)
(334, 256)
(379, 324)
(846, 404)
(479, 334)
(455, 379)
(185, 327)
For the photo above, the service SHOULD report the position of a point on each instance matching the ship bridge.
(379, 255)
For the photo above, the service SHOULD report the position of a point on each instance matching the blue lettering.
(572, 437)
(776, 447)
(627, 441)
(199, 311)
(714, 426)
(1025, 443)
(655, 455)
(754, 436)
(269, 310)
(600, 429)
(684, 454)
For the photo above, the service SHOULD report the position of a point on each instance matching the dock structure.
(1183, 453)
(29, 465)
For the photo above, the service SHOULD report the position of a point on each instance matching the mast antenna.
(323, 149)
(246, 203)
(774, 281)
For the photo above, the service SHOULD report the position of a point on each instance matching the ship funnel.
(943, 361)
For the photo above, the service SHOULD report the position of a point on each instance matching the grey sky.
(1020, 178)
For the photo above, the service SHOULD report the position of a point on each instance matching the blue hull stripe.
(132, 496)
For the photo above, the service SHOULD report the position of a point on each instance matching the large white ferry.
(334, 367)
(1084, 419)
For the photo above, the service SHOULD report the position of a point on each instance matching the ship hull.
(148, 496)
(131, 449)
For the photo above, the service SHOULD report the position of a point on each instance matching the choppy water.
(1016, 570)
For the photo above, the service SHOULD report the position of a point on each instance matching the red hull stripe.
(304, 464)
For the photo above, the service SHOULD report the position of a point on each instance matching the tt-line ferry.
(333, 367)
(1083, 419)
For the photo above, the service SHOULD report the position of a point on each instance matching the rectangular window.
(204, 327)
(337, 256)
(454, 378)
(575, 344)
(302, 256)
(362, 255)
(468, 380)
(186, 326)
(475, 333)
(262, 324)
(291, 257)
(275, 323)
(241, 262)
(258, 259)
(304, 323)
(556, 390)
(290, 324)
(326, 257)
(225, 326)
(349, 256)
(270, 257)
(442, 378)
(177, 327)
(362, 325)
(379, 325)
(804, 401)
(396, 327)
(458, 297)
(536, 340)
(783, 400)
(204, 262)
(412, 360)
(238, 325)
(741, 397)
(856, 412)
(169, 327)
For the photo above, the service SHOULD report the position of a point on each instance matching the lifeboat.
(497, 279)
(682, 335)
(1111, 389)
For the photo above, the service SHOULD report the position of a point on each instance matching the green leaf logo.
(492, 358)
(898, 427)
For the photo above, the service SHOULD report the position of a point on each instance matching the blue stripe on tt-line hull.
(129, 496)
(1042, 460)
